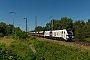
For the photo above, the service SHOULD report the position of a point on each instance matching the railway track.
(82, 43)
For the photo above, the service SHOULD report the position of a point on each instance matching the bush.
(1, 35)
(5, 53)
(87, 39)
(53, 51)
(17, 50)
(33, 38)
(19, 35)
(22, 50)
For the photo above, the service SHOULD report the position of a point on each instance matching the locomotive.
(67, 35)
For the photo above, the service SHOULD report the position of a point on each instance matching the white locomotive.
(56, 34)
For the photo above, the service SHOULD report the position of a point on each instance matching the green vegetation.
(20, 50)
(17, 50)
(19, 47)
(53, 51)
(87, 39)
(1, 35)
(6, 30)
(19, 34)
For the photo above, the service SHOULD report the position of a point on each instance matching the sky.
(44, 10)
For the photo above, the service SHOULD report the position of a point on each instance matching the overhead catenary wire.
(53, 12)
(55, 8)
(19, 6)
(79, 12)
(74, 13)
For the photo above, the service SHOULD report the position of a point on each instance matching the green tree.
(9, 29)
(79, 29)
(48, 26)
(5, 29)
(2, 28)
(66, 23)
(40, 28)
(19, 34)
(87, 28)
(63, 23)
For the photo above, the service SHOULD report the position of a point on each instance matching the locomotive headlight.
(67, 37)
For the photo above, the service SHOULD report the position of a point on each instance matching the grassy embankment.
(11, 49)
(20, 50)
(54, 51)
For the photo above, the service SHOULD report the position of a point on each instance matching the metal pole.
(28, 29)
(52, 24)
(12, 20)
(26, 26)
(35, 24)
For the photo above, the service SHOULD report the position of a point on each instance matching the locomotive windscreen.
(69, 33)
